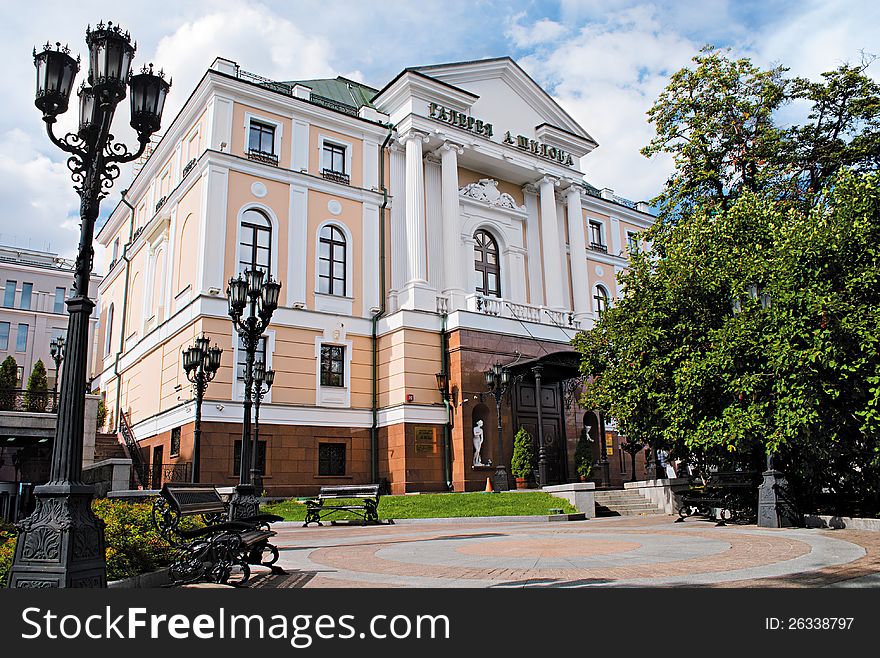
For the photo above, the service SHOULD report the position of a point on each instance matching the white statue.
(478, 443)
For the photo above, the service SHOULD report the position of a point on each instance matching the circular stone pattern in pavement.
(551, 547)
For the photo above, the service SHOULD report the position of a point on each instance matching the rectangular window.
(332, 365)
(260, 355)
(262, 138)
(19, 376)
(331, 459)
(596, 233)
(334, 158)
(632, 242)
(21, 338)
(27, 290)
(59, 299)
(9, 294)
(261, 457)
(115, 250)
(4, 335)
(175, 442)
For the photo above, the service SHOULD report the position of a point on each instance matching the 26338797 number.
(808, 623)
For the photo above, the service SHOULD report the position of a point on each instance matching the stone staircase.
(107, 446)
(624, 502)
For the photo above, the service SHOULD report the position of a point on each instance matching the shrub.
(102, 413)
(523, 462)
(8, 383)
(133, 546)
(36, 396)
(583, 455)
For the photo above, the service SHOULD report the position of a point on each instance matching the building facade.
(438, 225)
(35, 285)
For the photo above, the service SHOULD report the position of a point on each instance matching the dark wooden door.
(156, 475)
(525, 414)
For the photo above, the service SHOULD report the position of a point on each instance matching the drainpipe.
(447, 428)
(374, 430)
(127, 260)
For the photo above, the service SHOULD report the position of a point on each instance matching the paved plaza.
(651, 551)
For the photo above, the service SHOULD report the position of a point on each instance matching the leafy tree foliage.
(36, 395)
(718, 120)
(8, 382)
(679, 369)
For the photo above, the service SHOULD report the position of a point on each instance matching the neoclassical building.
(437, 225)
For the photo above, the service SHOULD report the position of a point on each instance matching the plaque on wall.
(609, 445)
(424, 439)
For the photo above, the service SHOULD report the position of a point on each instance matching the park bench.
(360, 499)
(726, 496)
(222, 550)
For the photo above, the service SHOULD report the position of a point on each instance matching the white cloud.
(540, 32)
(39, 201)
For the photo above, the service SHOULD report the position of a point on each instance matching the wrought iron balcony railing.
(336, 176)
(262, 156)
(156, 475)
(596, 246)
(13, 399)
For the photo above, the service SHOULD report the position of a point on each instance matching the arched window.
(331, 261)
(486, 264)
(108, 331)
(600, 299)
(255, 245)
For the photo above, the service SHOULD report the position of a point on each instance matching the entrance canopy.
(555, 367)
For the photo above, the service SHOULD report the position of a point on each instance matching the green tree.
(523, 461)
(800, 380)
(718, 121)
(8, 382)
(36, 396)
(583, 455)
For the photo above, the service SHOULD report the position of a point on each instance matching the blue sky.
(605, 61)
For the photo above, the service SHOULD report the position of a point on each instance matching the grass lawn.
(432, 506)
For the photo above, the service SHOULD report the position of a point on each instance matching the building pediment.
(514, 104)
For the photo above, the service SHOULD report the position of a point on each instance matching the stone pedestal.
(62, 543)
(775, 509)
(500, 481)
(244, 502)
(580, 494)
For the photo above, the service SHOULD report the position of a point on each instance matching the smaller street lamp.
(498, 381)
(263, 380)
(201, 363)
(443, 387)
(56, 349)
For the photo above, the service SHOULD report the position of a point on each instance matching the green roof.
(341, 90)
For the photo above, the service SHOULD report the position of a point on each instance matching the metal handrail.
(17, 399)
(137, 462)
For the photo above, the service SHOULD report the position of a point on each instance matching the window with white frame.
(597, 239)
(332, 261)
(335, 161)
(108, 331)
(333, 365)
(4, 336)
(601, 300)
(632, 242)
(486, 264)
(255, 242)
(261, 137)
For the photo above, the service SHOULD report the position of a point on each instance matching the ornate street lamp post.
(56, 349)
(261, 300)
(443, 387)
(62, 543)
(201, 364)
(263, 380)
(773, 510)
(498, 381)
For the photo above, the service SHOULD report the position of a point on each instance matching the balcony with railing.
(262, 156)
(502, 308)
(598, 246)
(28, 401)
(336, 176)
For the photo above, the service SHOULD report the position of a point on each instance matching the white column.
(433, 220)
(536, 286)
(298, 231)
(212, 231)
(454, 280)
(415, 208)
(398, 226)
(551, 244)
(580, 284)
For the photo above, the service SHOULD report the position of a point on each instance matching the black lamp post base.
(499, 480)
(774, 505)
(244, 502)
(62, 543)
